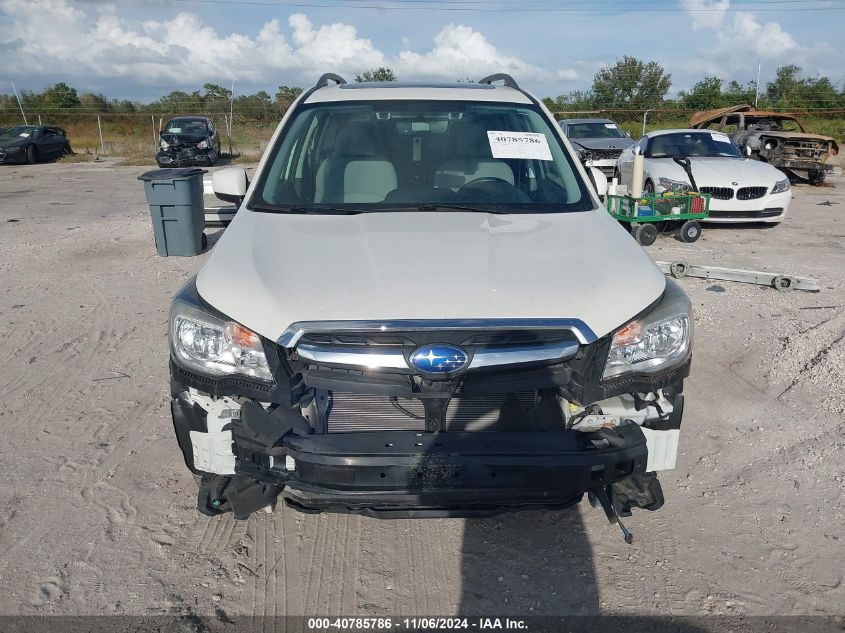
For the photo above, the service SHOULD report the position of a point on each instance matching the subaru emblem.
(439, 359)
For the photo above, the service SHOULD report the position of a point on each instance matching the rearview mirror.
(230, 184)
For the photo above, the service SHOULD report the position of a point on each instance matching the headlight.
(781, 186)
(164, 144)
(674, 185)
(214, 346)
(202, 145)
(655, 342)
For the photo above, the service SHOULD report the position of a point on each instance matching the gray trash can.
(177, 210)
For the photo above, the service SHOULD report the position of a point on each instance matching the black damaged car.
(188, 140)
(33, 143)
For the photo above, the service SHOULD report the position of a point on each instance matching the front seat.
(354, 173)
(473, 160)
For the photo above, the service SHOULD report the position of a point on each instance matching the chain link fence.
(136, 135)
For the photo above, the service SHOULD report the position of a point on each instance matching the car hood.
(13, 142)
(717, 172)
(603, 143)
(271, 270)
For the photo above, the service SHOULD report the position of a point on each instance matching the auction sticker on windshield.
(527, 145)
(720, 138)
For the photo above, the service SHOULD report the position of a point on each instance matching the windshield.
(596, 129)
(189, 127)
(400, 155)
(22, 131)
(707, 144)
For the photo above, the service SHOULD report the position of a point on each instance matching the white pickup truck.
(421, 310)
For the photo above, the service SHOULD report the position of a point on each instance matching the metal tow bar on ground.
(780, 282)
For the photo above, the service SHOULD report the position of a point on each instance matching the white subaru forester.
(421, 310)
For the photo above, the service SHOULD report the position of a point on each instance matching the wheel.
(204, 242)
(634, 230)
(648, 187)
(32, 154)
(67, 150)
(647, 234)
(816, 177)
(690, 231)
(212, 159)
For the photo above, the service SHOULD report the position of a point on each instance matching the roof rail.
(509, 81)
(323, 81)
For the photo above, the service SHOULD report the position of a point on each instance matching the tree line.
(629, 84)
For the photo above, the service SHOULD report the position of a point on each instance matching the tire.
(204, 242)
(648, 186)
(67, 150)
(213, 161)
(816, 177)
(32, 154)
(690, 231)
(647, 234)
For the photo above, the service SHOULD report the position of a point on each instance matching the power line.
(432, 5)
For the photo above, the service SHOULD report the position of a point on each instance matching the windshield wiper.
(457, 207)
(308, 210)
(300, 210)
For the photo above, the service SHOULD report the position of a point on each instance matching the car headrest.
(356, 140)
(470, 139)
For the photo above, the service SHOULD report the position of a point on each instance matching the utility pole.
(20, 105)
(231, 111)
(757, 85)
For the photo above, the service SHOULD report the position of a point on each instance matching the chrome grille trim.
(295, 331)
(492, 357)
(368, 358)
(355, 356)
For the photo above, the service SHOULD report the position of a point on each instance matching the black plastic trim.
(324, 80)
(510, 82)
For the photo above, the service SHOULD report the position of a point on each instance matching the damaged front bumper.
(187, 157)
(408, 474)
(403, 474)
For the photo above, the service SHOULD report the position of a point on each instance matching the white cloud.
(706, 14)
(460, 51)
(89, 41)
(567, 74)
(736, 44)
(766, 40)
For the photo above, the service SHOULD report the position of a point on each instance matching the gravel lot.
(97, 511)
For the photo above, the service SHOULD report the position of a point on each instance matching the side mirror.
(230, 184)
(598, 180)
(747, 150)
(628, 134)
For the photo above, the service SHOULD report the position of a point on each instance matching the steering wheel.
(493, 190)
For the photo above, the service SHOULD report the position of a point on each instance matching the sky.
(139, 50)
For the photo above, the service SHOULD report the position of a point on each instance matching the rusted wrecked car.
(773, 137)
